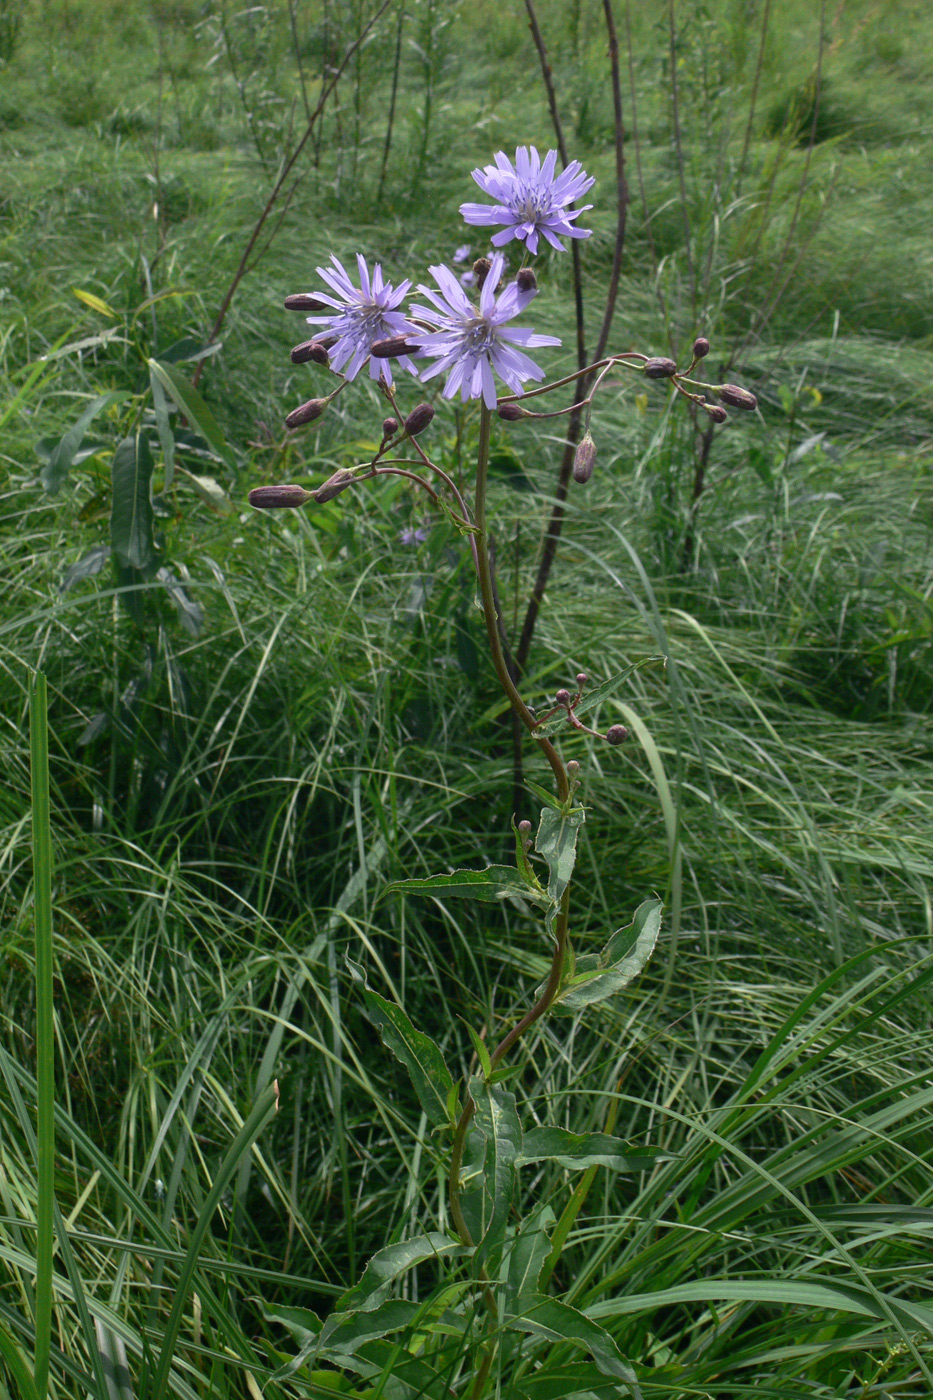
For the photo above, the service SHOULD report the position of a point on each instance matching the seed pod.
(481, 271)
(735, 396)
(562, 697)
(389, 349)
(700, 347)
(716, 412)
(341, 479)
(277, 497)
(584, 460)
(303, 301)
(418, 419)
(660, 368)
(310, 350)
(616, 734)
(511, 412)
(526, 279)
(306, 413)
(389, 428)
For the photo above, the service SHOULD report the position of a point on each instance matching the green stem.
(45, 1027)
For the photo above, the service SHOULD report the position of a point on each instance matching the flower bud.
(716, 412)
(700, 347)
(562, 697)
(735, 396)
(573, 768)
(306, 413)
(389, 349)
(526, 279)
(418, 419)
(481, 271)
(276, 497)
(524, 827)
(511, 412)
(582, 679)
(584, 460)
(341, 479)
(389, 428)
(660, 368)
(303, 301)
(616, 734)
(310, 350)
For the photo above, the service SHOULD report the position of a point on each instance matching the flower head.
(362, 315)
(530, 200)
(470, 342)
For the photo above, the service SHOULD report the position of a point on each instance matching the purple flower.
(529, 199)
(363, 315)
(412, 536)
(470, 342)
(462, 253)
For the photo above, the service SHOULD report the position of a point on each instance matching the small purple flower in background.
(530, 200)
(468, 278)
(412, 536)
(363, 314)
(461, 254)
(469, 343)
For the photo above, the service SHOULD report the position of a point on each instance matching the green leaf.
(577, 1151)
(189, 401)
(86, 567)
(163, 426)
(490, 885)
(344, 1333)
(630, 948)
(527, 1255)
(482, 1053)
(304, 1327)
(190, 613)
(556, 841)
(61, 456)
(497, 1120)
(572, 1379)
(543, 795)
(131, 512)
(418, 1053)
(594, 697)
(395, 1259)
(558, 1322)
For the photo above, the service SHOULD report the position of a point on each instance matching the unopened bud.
(310, 350)
(277, 497)
(511, 412)
(573, 768)
(389, 428)
(660, 368)
(616, 734)
(524, 827)
(584, 460)
(306, 413)
(341, 479)
(303, 301)
(735, 396)
(700, 347)
(716, 412)
(418, 419)
(481, 271)
(582, 679)
(562, 697)
(526, 279)
(389, 349)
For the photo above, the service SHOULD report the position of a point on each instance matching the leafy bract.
(597, 977)
(556, 841)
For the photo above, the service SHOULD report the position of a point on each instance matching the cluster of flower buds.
(661, 367)
(615, 734)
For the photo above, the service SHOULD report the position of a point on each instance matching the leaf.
(620, 962)
(304, 1327)
(577, 1151)
(344, 1333)
(387, 1264)
(163, 427)
(60, 458)
(528, 1253)
(556, 841)
(131, 512)
(429, 1074)
(497, 1120)
(190, 613)
(490, 885)
(96, 303)
(189, 401)
(558, 1322)
(544, 796)
(594, 697)
(87, 567)
(211, 492)
(575, 1378)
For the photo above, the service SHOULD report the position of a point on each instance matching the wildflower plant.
(494, 1269)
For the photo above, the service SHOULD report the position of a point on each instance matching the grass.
(228, 796)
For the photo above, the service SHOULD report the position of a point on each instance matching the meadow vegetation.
(287, 712)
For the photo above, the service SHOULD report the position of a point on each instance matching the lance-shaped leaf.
(418, 1053)
(389, 1263)
(577, 1379)
(305, 1329)
(189, 401)
(344, 1333)
(497, 1120)
(527, 1255)
(558, 1322)
(86, 567)
(131, 511)
(556, 841)
(622, 959)
(494, 883)
(577, 1151)
(163, 425)
(595, 696)
(60, 456)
